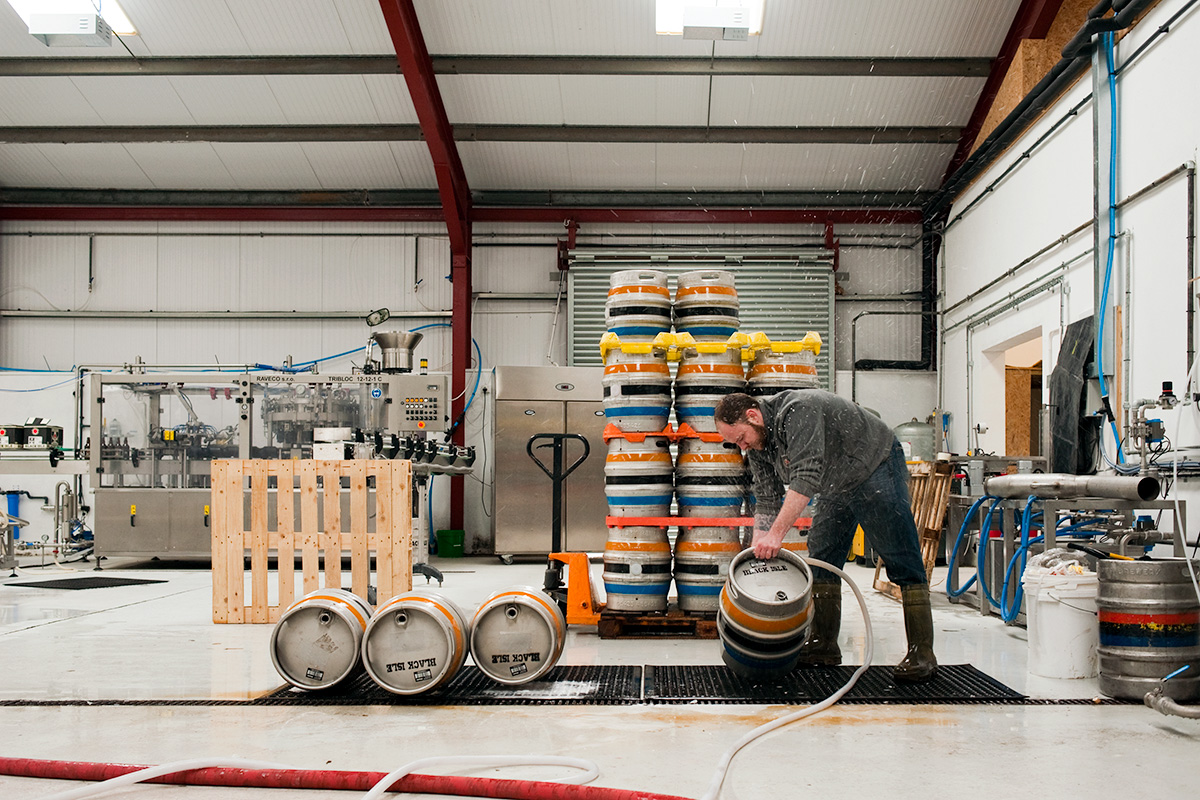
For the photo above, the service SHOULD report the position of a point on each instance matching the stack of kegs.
(710, 482)
(706, 305)
(417, 641)
(638, 482)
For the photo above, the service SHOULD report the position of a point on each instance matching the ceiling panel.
(817, 101)
(618, 100)
(846, 167)
(91, 166)
(195, 165)
(509, 165)
(279, 166)
(45, 101)
(503, 99)
(323, 99)
(219, 100)
(601, 165)
(699, 166)
(366, 165)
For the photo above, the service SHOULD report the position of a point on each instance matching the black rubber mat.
(957, 683)
(611, 685)
(89, 582)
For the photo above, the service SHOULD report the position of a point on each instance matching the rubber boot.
(919, 665)
(821, 649)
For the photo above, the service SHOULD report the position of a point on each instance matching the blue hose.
(952, 565)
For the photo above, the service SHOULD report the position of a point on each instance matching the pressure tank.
(920, 438)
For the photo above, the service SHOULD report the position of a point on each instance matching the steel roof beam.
(448, 165)
(424, 198)
(710, 216)
(499, 65)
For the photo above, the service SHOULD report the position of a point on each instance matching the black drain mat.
(90, 582)
(579, 685)
(957, 683)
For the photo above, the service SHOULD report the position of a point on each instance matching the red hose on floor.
(327, 779)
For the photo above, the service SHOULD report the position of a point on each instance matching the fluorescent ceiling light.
(108, 9)
(669, 15)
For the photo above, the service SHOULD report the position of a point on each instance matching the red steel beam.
(413, 56)
(1032, 21)
(411, 52)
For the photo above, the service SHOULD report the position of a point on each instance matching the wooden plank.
(401, 531)
(360, 556)
(309, 542)
(258, 540)
(220, 573)
(331, 541)
(235, 542)
(385, 479)
(285, 546)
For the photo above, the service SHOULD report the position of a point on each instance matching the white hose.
(160, 770)
(714, 788)
(590, 770)
(1187, 388)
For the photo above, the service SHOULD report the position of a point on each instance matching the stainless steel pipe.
(1053, 485)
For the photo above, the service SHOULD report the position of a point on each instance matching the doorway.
(1023, 398)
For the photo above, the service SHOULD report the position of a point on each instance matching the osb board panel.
(1016, 411)
(323, 530)
(1032, 62)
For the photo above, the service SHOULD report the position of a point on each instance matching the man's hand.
(766, 544)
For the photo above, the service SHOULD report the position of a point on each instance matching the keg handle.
(557, 475)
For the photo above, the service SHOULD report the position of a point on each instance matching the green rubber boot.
(919, 665)
(821, 649)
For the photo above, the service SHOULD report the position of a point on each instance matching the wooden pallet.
(388, 534)
(930, 491)
(674, 624)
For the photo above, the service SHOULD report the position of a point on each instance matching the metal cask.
(637, 387)
(638, 307)
(765, 613)
(710, 479)
(702, 557)
(638, 477)
(706, 374)
(706, 305)
(517, 635)
(637, 569)
(416, 642)
(1149, 627)
(317, 640)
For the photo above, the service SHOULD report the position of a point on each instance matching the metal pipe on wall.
(1053, 485)
(875, 363)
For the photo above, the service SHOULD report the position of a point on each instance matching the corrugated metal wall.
(785, 293)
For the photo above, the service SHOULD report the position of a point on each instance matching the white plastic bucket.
(1060, 616)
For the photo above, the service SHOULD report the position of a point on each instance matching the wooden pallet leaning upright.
(929, 487)
(319, 534)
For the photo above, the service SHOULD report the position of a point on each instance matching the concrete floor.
(156, 641)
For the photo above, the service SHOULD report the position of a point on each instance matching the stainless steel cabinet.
(532, 400)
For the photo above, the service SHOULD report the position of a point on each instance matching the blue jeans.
(881, 505)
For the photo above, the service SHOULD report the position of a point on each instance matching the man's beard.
(761, 430)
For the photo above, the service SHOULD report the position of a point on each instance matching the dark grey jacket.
(816, 443)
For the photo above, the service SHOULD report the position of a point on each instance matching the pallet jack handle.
(557, 475)
(576, 600)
